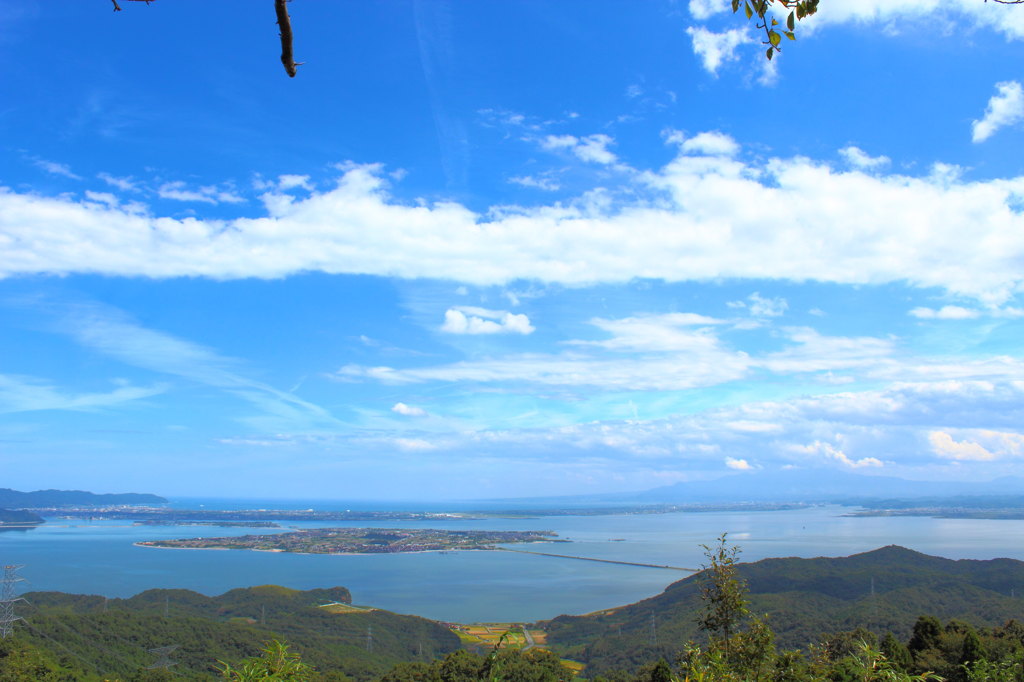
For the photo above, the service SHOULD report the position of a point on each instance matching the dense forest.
(890, 614)
(96, 638)
(884, 590)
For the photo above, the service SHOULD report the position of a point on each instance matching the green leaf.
(747, 9)
(769, 53)
(790, 20)
(774, 38)
(774, 22)
(735, 5)
(790, 35)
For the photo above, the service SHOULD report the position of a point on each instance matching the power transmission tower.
(369, 638)
(8, 600)
(654, 631)
(163, 657)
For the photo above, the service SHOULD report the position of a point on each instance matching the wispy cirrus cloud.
(110, 332)
(30, 394)
(55, 168)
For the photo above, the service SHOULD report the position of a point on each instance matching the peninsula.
(364, 540)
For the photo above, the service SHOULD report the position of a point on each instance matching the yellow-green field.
(346, 608)
(490, 635)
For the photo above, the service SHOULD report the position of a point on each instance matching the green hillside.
(884, 591)
(111, 637)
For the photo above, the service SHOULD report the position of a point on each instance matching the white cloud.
(846, 228)
(473, 320)
(673, 351)
(812, 351)
(678, 351)
(177, 191)
(748, 426)
(861, 160)
(714, 49)
(289, 181)
(846, 430)
(669, 332)
(568, 369)
(738, 464)
(833, 453)
(948, 312)
(592, 149)
(944, 446)
(958, 15)
(711, 143)
(978, 445)
(769, 72)
(123, 184)
(110, 332)
(105, 198)
(704, 9)
(408, 410)
(544, 183)
(414, 444)
(28, 394)
(54, 168)
(761, 306)
(1004, 109)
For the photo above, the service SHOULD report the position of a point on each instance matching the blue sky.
(506, 249)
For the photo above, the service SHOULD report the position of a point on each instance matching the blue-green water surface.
(99, 557)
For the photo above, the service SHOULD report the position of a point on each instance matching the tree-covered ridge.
(97, 638)
(18, 517)
(884, 590)
(16, 499)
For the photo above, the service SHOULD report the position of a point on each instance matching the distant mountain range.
(882, 590)
(802, 485)
(15, 499)
(812, 486)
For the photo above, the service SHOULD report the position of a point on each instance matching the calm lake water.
(99, 558)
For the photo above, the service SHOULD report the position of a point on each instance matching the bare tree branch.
(285, 24)
(117, 7)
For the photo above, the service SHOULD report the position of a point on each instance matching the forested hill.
(16, 499)
(882, 590)
(111, 637)
(17, 517)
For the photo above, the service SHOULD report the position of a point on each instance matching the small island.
(364, 540)
(218, 524)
